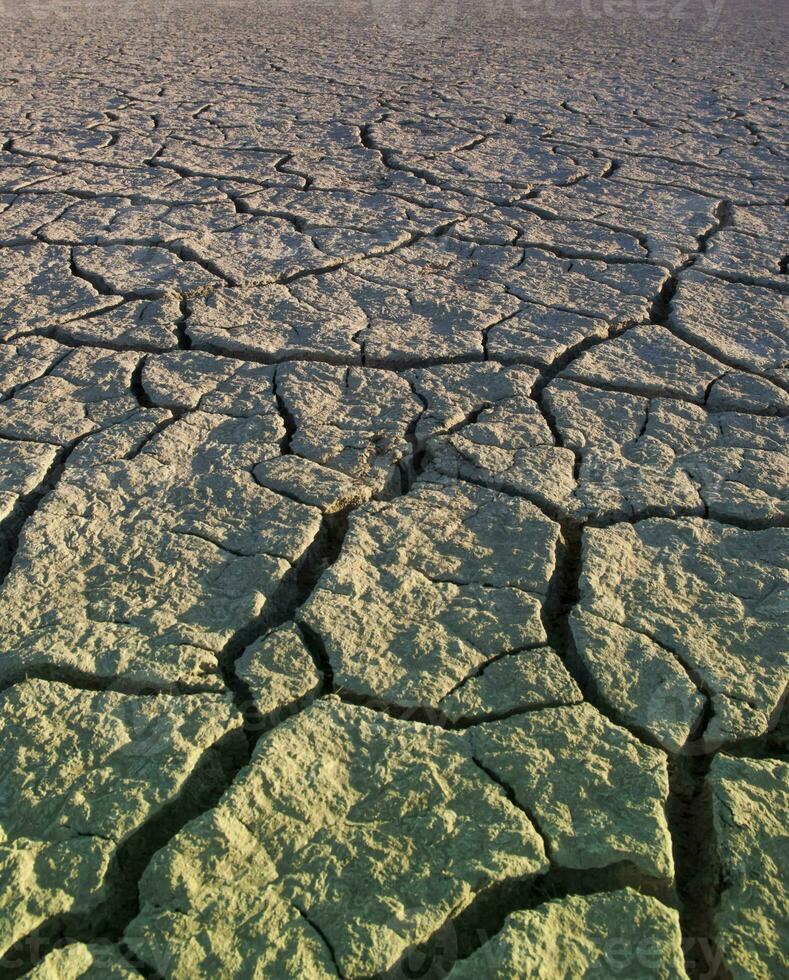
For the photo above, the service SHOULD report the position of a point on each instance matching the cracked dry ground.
(394, 499)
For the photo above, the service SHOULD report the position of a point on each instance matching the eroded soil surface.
(393, 476)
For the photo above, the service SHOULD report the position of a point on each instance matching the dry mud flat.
(393, 477)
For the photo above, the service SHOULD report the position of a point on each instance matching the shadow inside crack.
(107, 921)
(480, 921)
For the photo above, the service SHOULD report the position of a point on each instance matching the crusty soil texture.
(393, 490)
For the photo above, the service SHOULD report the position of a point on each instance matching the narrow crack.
(743, 279)
(152, 435)
(281, 607)
(323, 937)
(94, 280)
(12, 527)
(511, 795)
(774, 743)
(562, 597)
(696, 742)
(482, 668)
(648, 392)
(412, 467)
(14, 390)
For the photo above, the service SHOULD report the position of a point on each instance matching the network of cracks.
(393, 498)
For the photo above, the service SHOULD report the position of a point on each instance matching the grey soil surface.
(394, 514)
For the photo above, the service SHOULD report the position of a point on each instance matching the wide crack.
(107, 920)
(475, 925)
